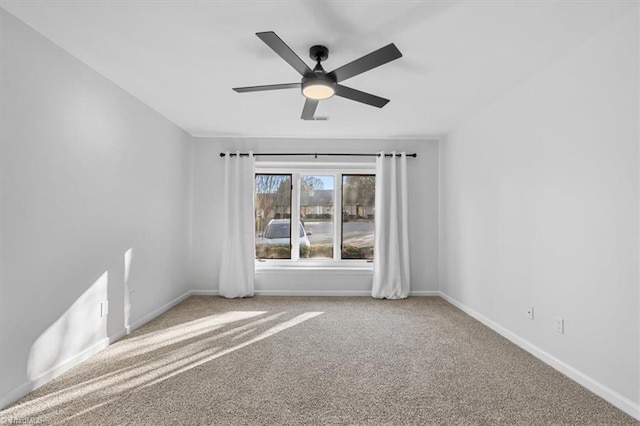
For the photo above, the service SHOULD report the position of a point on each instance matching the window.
(273, 216)
(358, 201)
(309, 195)
(317, 195)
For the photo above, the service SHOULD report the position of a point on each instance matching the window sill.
(265, 268)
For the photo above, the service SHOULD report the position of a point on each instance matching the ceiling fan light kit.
(318, 88)
(317, 84)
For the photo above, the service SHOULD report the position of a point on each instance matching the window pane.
(316, 214)
(358, 201)
(273, 216)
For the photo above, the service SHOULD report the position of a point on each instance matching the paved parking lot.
(359, 234)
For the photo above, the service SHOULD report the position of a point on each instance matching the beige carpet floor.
(313, 360)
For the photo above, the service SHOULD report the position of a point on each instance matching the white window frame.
(295, 169)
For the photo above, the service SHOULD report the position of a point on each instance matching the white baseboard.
(204, 293)
(419, 293)
(424, 293)
(313, 293)
(609, 395)
(64, 366)
(17, 393)
(161, 310)
(117, 336)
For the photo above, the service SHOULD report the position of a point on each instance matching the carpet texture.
(313, 360)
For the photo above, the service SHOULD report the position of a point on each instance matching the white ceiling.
(183, 57)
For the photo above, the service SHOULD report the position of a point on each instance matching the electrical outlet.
(104, 308)
(530, 313)
(559, 325)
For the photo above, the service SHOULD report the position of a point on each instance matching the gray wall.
(207, 220)
(540, 208)
(88, 173)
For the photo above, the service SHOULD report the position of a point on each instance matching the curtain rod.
(315, 154)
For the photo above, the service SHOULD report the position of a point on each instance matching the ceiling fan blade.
(267, 87)
(374, 59)
(358, 96)
(309, 109)
(280, 47)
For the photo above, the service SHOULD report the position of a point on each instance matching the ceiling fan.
(317, 84)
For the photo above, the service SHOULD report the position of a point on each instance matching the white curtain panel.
(391, 247)
(237, 272)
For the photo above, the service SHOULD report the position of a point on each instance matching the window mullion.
(337, 217)
(295, 217)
